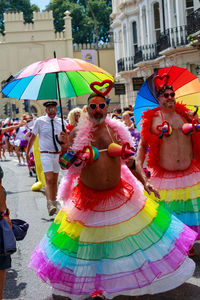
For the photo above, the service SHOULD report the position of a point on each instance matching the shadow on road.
(48, 220)
(186, 291)
(12, 288)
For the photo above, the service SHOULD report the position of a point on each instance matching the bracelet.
(4, 213)
(133, 166)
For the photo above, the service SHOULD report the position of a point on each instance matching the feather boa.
(85, 130)
(154, 142)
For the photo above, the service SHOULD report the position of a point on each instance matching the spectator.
(48, 127)
(73, 118)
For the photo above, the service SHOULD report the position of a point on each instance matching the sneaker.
(52, 207)
(30, 174)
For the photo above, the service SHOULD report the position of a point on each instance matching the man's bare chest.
(103, 139)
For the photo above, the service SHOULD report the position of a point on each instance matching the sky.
(40, 3)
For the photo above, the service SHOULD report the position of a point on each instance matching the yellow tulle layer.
(178, 194)
(108, 233)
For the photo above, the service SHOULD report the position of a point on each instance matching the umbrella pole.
(58, 86)
(63, 126)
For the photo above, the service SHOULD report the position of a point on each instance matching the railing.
(193, 22)
(170, 38)
(146, 52)
(173, 38)
(125, 64)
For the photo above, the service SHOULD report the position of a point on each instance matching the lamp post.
(97, 32)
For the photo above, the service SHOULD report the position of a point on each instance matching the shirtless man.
(173, 158)
(98, 243)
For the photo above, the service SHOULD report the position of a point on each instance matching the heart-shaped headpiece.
(101, 84)
(160, 81)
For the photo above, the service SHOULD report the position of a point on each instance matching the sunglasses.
(166, 95)
(93, 106)
(51, 109)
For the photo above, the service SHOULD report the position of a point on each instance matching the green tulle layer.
(148, 236)
(178, 206)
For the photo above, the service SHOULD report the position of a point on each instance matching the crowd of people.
(110, 237)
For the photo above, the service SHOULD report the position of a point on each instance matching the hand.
(63, 137)
(8, 220)
(22, 123)
(149, 188)
(193, 116)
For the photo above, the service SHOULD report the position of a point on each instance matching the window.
(144, 24)
(135, 38)
(34, 110)
(174, 13)
(156, 10)
(189, 6)
(125, 40)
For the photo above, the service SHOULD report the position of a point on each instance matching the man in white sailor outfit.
(48, 127)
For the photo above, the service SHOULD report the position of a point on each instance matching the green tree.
(83, 22)
(14, 6)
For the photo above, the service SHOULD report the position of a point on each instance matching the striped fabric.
(180, 194)
(134, 248)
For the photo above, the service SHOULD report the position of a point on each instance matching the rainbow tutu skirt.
(180, 193)
(116, 241)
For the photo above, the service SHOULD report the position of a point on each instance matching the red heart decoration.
(110, 85)
(160, 127)
(160, 81)
(126, 148)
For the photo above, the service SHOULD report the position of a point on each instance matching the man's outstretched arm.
(136, 168)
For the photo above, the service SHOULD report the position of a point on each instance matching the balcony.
(193, 22)
(125, 64)
(147, 52)
(170, 38)
(173, 38)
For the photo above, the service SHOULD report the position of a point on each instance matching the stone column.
(68, 34)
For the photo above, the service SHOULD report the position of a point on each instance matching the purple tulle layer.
(64, 279)
(197, 230)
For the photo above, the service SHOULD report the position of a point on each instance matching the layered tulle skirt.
(180, 193)
(117, 241)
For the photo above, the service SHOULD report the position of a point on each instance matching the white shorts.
(50, 162)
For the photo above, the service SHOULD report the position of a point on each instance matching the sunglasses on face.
(166, 95)
(51, 109)
(93, 106)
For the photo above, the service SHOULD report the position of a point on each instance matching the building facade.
(24, 44)
(150, 34)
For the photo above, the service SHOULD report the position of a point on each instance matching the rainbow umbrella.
(185, 84)
(55, 78)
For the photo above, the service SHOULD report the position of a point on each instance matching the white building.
(150, 34)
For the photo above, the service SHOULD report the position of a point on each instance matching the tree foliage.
(15, 6)
(88, 18)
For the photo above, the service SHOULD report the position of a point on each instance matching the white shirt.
(21, 132)
(42, 126)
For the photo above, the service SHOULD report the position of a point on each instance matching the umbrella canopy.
(38, 81)
(185, 84)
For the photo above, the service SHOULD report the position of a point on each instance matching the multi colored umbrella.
(55, 78)
(185, 84)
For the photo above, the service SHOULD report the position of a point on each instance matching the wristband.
(133, 166)
(4, 213)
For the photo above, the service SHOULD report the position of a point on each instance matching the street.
(22, 283)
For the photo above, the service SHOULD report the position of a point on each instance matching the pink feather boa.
(83, 138)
